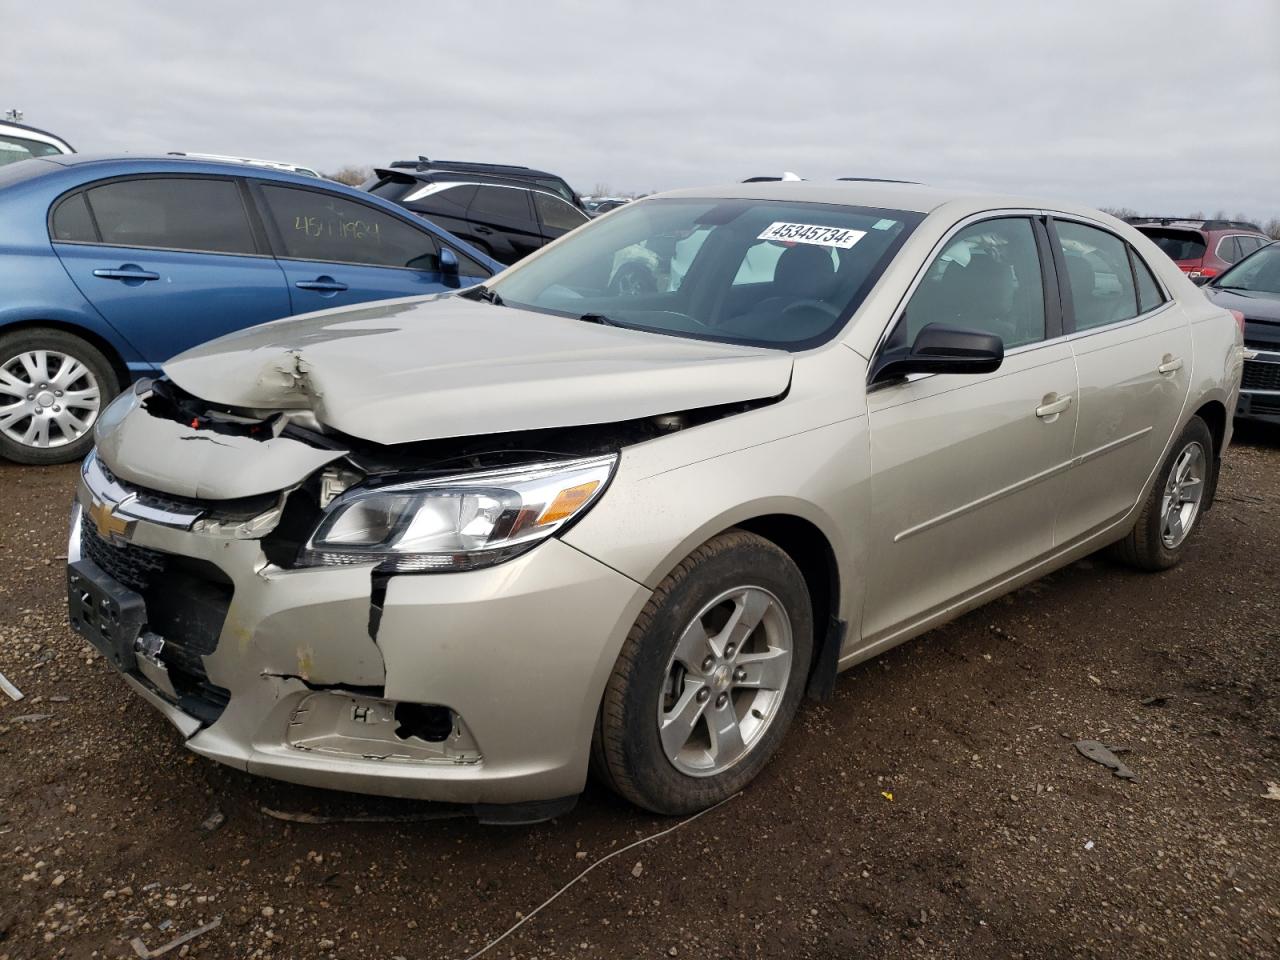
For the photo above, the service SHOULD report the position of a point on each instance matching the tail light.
(1203, 273)
(1239, 320)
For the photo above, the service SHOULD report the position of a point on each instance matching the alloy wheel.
(47, 398)
(1183, 493)
(725, 681)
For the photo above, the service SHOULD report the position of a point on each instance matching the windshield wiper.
(482, 292)
(601, 319)
(1229, 286)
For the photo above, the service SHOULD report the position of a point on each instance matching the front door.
(168, 261)
(968, 469)
(1133, 351)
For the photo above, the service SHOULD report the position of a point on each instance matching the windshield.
(1259, 273)
(764, 272)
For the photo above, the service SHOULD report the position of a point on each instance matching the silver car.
(469, 547)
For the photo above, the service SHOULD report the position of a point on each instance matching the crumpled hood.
(405, 370)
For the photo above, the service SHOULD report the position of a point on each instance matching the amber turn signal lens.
(568, 501)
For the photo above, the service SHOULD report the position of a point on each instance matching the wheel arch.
(811, 551)
(108, 349)
(1214, 414)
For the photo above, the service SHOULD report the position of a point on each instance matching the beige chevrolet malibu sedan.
(624, 507)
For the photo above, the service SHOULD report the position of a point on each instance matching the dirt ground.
(935, 808)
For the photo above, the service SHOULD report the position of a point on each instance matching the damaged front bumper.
(476, 687)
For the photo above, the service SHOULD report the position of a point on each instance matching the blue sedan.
(109, 266)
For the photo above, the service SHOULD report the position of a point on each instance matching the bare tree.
(1120, 213)
(1272, 228)
(353, 176)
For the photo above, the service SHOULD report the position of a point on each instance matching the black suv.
(506, 211)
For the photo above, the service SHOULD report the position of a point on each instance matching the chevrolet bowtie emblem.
(109, 526)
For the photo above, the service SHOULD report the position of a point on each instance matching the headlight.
(459, 522)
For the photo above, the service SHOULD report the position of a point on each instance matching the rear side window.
(1177, 244)
(71, 221)
(1098, 274)
(1250, 244)
(1229, 249)
(508, 203)
(172, 213)
(1149, 295)
(312, 225)
(988, 278)
(557, 214)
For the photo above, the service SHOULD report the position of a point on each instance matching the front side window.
(1098, 274)
(989, 279)
(312, 225)
(1260, 273)
(556, 214)
(677, 266)
(172, 213)
(13, 149)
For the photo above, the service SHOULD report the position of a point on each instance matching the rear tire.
(708, 679)
(53, 387)
(1177, 501)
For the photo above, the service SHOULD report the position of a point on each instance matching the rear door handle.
(1171, 364)
(322, 284)
(1052, 405)
(126, 272)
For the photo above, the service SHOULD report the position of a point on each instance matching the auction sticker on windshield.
(812, 233)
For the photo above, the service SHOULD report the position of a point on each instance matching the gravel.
(936, 807)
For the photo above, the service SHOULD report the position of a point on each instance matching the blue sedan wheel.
(53, 385)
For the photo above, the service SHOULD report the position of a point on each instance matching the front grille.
(1260, 376)
(186, 603)
(1264, 404)
(133, 566)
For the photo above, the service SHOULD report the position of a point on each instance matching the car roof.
(423, 165)
(883, 194)
(525, 182)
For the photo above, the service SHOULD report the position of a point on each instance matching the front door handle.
(322, 285)
(1051, 406)
(1170, 364)
(126, 272)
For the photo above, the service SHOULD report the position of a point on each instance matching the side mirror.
(448, 262)
(941, 349)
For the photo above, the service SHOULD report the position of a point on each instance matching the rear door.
(555, 216)
(1133, 351)
(503, 221)
(335, 250)
(169, 261)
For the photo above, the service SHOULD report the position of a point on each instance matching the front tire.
(53, 386)
(708, 679)
(1177, 501)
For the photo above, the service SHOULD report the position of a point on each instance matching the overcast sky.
(1162, 105)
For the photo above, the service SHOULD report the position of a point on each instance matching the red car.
(1202, 249)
